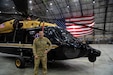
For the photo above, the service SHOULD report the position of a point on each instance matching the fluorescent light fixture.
(47, 10)
(30, 2)
(68, 6)
(51, 3)
(15, 12)
(93, 1)
(31, 8)
(13, 7)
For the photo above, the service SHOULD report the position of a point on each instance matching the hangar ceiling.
(56, 9)
(50, 10)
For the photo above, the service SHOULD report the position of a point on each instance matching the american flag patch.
(2, 25)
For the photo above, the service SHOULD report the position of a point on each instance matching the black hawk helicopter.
(16, 37)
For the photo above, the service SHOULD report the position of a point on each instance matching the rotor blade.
(21, 6)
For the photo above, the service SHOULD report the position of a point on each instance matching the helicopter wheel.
(20, 62)
(92, 58)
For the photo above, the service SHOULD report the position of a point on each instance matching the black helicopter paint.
(69, 47)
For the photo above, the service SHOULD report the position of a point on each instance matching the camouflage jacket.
(40, 45)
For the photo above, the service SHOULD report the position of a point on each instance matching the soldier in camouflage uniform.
(41, 46)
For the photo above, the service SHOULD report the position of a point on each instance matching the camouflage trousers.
(43, 60)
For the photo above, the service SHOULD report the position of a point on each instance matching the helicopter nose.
(96, 52)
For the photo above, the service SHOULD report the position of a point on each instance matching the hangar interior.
(60, 9)
(99, 17)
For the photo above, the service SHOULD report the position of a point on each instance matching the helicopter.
(16, 38)
(65, 46)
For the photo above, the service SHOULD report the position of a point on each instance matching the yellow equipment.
(8, 26)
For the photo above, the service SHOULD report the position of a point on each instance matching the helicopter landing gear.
(92, 58)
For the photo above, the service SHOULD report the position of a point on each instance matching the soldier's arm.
(50, 45)
(34, 47)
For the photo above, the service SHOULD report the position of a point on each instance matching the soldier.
(41, 46)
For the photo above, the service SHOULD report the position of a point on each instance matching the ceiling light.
(47, 10)
(51, 3)
(15, 12)
(30, 2)
(0, 12)
(75, 0)
(68, 6)
(13, 7)
(93, 1)
(31, 8)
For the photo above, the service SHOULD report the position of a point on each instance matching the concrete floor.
(81, 66)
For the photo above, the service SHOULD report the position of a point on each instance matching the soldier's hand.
(46, 52)
(36, 57)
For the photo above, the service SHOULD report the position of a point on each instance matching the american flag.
(80, 26)
(2, 25)
(60, 22)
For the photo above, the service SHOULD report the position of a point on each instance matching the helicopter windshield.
(62, 35)
(66, 36)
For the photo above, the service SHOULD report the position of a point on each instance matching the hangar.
(84, 30)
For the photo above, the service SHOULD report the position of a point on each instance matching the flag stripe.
(79, 33)
(79, 30)
(80, 22)
(80, 26)
(74, 23)
(75, 35)
(79, 19)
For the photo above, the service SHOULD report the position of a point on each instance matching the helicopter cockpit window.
(62, 34)
(52, 34)
(31, 32)
(59, 34)
(67, 37)
(50, 31)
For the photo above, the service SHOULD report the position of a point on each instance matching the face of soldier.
(41, 34)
